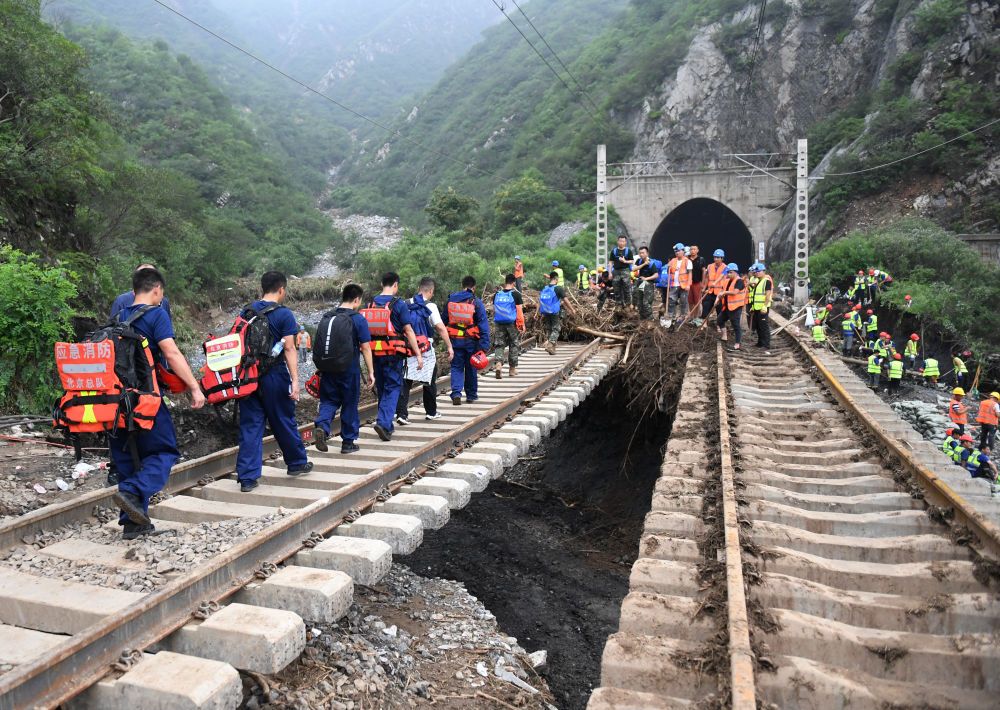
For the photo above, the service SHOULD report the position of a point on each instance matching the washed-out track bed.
(795, 558)
(239, 575)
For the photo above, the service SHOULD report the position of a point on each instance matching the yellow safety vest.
(896, 370)
(960, 367)
(873, 365)
(931, 368)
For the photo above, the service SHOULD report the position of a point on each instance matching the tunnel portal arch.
(708, 223)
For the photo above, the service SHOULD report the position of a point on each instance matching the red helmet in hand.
(479, 360)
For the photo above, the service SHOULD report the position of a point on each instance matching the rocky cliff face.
(815, 57)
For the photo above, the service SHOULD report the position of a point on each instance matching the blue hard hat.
(582, 267)
(517, 258)
(555, 263)
(733, 266)
(719, 253)
(753, 267)
(760, 266)
(678, 247)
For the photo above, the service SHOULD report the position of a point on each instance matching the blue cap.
(582, 267)
(760, 266)
(719, 253)
(517, 258)
(733, 266)
(678, 247)
(555, 263)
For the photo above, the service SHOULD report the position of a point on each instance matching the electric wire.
(914, 155)
(583, 91)
(541, 56)
(756, 48)
(378, 124)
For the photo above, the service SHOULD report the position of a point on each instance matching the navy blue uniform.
(389, 368)
(125, 300)
(272, 406)
(342, 390)
(157, 448)
(463, 374)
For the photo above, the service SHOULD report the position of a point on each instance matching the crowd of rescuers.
(393, 337)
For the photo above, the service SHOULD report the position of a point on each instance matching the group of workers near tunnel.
(392, 335)
(688, 287)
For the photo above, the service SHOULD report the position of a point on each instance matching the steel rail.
(182, 477)
(741, 656)
(936, 490)
(86, 657)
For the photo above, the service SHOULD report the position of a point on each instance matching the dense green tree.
(527, 203)
(451, 210)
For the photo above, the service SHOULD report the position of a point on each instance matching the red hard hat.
(967, 353)
(914, 337)
(857, 307)
(870, 311)
(860, 271)
(479, 360)
(829, 307)
(949, 431)
(871, 272)
(966, 437)
(847, 315)
(897, 356)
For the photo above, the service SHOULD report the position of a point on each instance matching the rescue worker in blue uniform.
(156, 449)
(124, 300)
(273, 404)
(469, 332)
(342, 390)
(389, 367)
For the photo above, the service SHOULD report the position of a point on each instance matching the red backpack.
(234, 363)
(109, 381)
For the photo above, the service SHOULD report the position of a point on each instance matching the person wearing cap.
(760, 305)
(895, 373)
(871, 324)
(582, 278)
(622, 259)
(989, 413)
(518, 274)
(961, 369)
(698, 265)
(714, 278)
(931, 370)
(732, 299)
(678, 284)
(950, 445)
(874, 370)
(977, 462)
(847, 333)
(556, 269)
(911, 351)
(957, 411)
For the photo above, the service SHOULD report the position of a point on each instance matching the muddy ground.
(549, 547)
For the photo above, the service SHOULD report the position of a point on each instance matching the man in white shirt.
(426, 319)
(678, 283)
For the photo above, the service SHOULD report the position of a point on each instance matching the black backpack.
(333, 347)
(258, 338)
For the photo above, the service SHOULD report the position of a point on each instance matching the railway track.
(796, 556)
(236, 608)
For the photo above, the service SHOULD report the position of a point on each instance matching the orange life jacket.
(714, 278)
(958, 412)
(737, 300)
(679, 275)
(385, 340)
(462, 319)
(987, 412)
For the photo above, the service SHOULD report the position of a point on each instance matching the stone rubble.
(930, 419)
(562, 234)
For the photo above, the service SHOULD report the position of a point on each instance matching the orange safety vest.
(958, 412)
(519, 271)
(303, 341)
(681, 278)
(713, 277)
(987, 412)
(735, 301)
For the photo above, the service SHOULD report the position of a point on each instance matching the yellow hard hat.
(600, 268)
(995, 395)
(958, 390)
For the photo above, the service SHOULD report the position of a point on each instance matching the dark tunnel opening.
(709, 224)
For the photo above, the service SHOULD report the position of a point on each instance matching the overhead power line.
(378, 124)
(756, 48)
(541, 56)
(583, 91)
(914, 155)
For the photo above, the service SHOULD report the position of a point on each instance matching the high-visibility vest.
(896, 370)
(714, 277)
(873, 365)
(911, 348)
(582, 279)
(559, 272)
(856, 320)
(872, 324)
(960, 368)
(970, 459)
(821, 315)
(948, 445)
(819, 334)
(931, 368)
(518, 270)
(987, 412)
(737, 299)
(847, 327)
(679, 274)
(759, 298)
(956, 453)
(304, 341)
(958, 412)
(881, 348)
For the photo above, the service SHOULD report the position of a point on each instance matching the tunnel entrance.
(709, 224)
